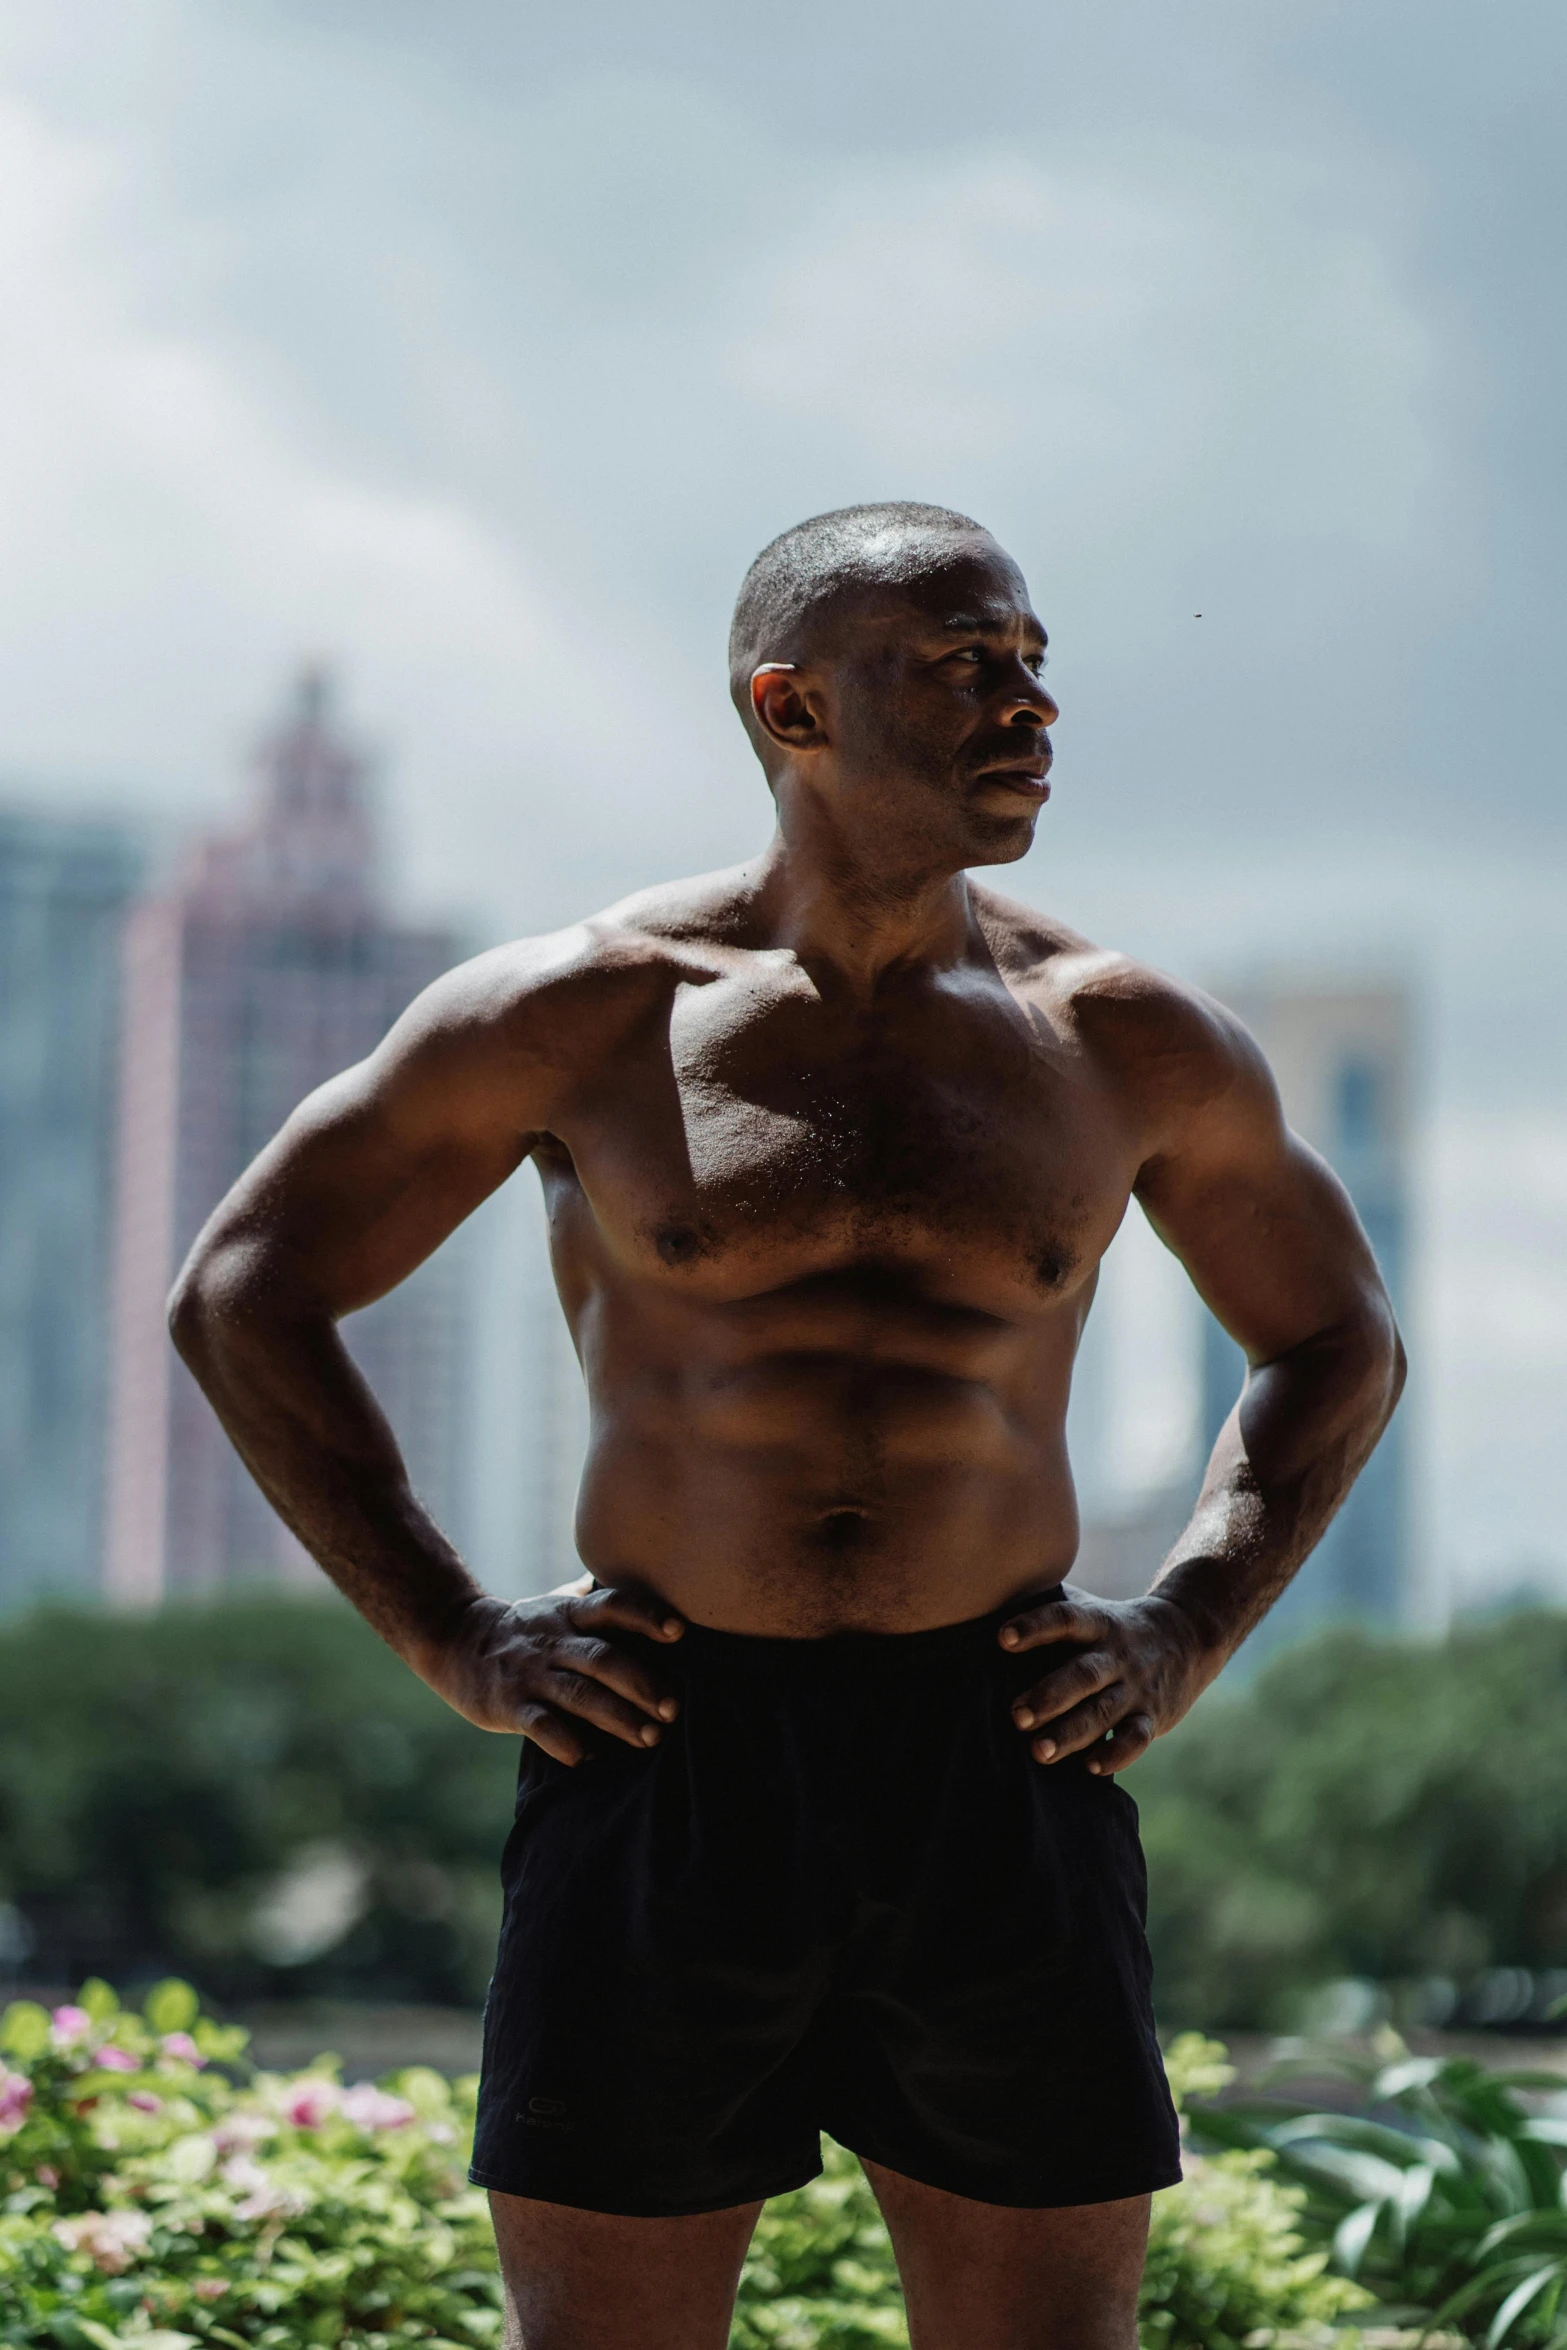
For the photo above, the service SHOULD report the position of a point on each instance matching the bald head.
(794, 582)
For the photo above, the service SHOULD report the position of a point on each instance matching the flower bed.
(154, 2192)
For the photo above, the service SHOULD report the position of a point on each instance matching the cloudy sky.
(478, 347)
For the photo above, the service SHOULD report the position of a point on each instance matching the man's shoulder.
(1164, 1039)
(559, 988)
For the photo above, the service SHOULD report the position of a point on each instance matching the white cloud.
(491, 392)
(173, 547)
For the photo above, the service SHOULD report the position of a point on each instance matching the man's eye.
(1036, 662)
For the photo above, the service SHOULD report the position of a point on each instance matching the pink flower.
(262, 2195)
(183, 2047)
(70, 2026)
(370, 2108)
(118, 2060)
(144, 2101)
(111, 2239)
(47, 2176)
(16, 2095)
(210, 2288)
(237, 2131)
(312, 2101)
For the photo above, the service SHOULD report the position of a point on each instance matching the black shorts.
(840, 1895)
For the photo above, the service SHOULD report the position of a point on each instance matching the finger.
(550, 1731)
(1083, 1725)
(1066, 1686)
(612, 1663)
(1131, 1736)
(575, 1693)
(629, 1607)
(1058, 1619)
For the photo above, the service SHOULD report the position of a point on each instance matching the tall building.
(270, 966)
(1343, 1059)
(64, 888)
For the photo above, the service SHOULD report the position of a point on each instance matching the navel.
(842, 1530)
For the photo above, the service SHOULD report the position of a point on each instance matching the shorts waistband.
(858, 1652)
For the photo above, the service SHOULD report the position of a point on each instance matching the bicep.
(370, 1174)
(1261, 1223)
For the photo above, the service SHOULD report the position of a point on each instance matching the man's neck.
(841, 916)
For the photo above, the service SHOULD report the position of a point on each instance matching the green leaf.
(99, 2336)
(100, 2000)
(24, 2029)
(1517, 2301)
(171, 2006)
(1354, 2235)
(220, 2043)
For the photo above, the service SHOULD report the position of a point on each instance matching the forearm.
(308, 1428)
(1284, 1461)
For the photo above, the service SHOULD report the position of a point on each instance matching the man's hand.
(550, 1666)
(1142, 1664)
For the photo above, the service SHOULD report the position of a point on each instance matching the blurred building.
(268, 968)
(1342, 1056)
(64, 888)
(1121, 1549)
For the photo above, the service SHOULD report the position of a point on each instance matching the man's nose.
(1031, 705)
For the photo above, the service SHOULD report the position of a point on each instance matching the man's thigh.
(588, 2280)
(981, 2276)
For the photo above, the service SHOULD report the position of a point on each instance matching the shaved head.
(814, 565)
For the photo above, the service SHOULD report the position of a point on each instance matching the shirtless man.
(817, 1822)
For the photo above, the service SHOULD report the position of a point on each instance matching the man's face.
(934, 706)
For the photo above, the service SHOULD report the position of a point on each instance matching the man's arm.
(1273, 1245)
(366, 1179)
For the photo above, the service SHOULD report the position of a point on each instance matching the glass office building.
(1342, 1056)
(65, 884)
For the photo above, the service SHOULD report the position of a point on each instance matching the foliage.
(1227, 2258)
(155, 2194)
(150, 2199)
(1363, 1807)
(820, 2273)
(1440, 2189)
(257, 1794)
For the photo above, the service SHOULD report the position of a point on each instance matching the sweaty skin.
(832, 1146)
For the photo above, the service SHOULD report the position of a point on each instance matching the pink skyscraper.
(269, 966)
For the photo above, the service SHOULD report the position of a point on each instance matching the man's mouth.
(1022, 775)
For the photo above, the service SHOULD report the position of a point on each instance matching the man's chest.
(758, 1132)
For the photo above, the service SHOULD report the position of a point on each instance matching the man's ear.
(786, 707)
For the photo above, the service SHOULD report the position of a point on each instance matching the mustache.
(1038, 753)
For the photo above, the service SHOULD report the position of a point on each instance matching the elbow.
(1398, 1365)
(189, 1309)
(214, 1294)
(1381, 1360)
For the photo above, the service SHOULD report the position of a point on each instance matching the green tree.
(1364, 1807)
(256, 1794)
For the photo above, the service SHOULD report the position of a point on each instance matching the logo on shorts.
(545, 2113)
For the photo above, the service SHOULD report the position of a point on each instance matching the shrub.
(151, 2198)
(1439, 2187)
